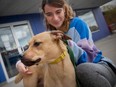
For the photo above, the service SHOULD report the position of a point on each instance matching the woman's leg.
(95, 75)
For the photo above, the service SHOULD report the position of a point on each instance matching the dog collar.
(62, 56)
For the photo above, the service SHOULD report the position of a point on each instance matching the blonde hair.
(68, 13)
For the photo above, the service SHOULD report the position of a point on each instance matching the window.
(89, 18)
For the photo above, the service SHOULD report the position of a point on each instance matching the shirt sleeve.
(79, 54)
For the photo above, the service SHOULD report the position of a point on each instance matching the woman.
(59, 16)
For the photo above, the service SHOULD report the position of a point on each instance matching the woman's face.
(54, 16)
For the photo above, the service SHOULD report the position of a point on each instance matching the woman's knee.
(92, 75)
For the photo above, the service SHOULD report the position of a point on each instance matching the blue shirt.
(81, 35)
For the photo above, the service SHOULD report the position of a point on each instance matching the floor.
(107, 45)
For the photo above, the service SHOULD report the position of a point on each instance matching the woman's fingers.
(23, 69)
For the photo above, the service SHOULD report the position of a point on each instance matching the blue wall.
(36, 21)
(103, 27)
(2, 76)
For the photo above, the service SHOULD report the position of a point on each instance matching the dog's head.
(45, 47)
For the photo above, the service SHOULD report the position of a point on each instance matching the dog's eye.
(37, 44)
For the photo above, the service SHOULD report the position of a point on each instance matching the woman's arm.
(22, 68)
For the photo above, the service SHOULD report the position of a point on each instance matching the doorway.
(13, 38)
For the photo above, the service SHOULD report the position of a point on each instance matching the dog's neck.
(59, 59)
(58, 54)
(58, 73)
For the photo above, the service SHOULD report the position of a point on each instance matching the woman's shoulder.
(76, 20)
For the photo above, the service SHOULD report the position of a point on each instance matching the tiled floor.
(11, 84)
(107, 45)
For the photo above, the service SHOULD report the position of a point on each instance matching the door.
(12, 41)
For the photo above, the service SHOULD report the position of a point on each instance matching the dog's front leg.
(31, 80)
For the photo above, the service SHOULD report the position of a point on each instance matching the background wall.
(36, 21)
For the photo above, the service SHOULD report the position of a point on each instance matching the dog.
(53, 67)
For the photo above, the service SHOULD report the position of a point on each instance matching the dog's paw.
(18, 78)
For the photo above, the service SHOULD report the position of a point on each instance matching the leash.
(72, 60)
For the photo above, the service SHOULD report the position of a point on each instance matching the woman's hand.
(22, 68)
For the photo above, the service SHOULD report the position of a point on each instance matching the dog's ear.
(65, 37)
(59, 35)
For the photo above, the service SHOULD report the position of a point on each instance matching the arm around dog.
(22, 68)
(79, 54)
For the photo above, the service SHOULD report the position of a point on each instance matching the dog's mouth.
(28, 62)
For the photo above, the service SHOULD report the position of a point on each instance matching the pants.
(95, 75)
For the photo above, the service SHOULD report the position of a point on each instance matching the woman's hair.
(68, 13)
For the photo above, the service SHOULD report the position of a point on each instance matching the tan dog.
(54, 69)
